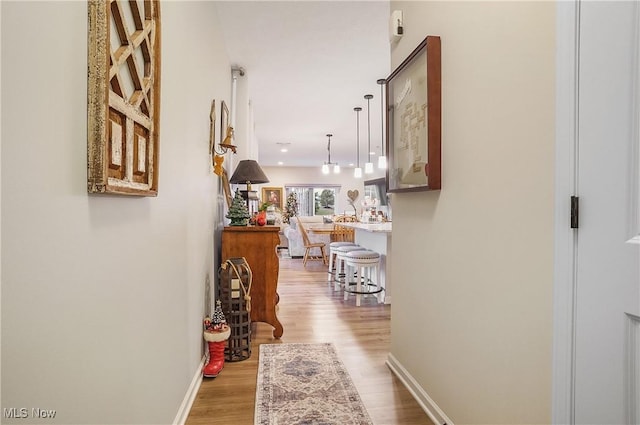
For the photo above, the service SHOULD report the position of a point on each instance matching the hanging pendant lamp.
(382, 159)
(357, 172)
(368, 167)
(336, 167)
(325, 166)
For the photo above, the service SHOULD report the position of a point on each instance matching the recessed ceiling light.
(351, 164)
(280, 163)
(284, 150)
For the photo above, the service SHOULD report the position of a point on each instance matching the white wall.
(472, 304)
(243, 134)
(103, 296)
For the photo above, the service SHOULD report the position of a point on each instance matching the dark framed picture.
(414, 120)
(224, 120)
(272, 195)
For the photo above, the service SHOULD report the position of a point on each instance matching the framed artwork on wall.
(224, 120)
(226, 188)
(414, 120)
(272, 195)
(123, 97)
(212, 127)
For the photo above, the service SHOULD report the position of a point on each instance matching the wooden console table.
(258, 245)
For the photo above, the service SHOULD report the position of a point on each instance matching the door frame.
(566, 185)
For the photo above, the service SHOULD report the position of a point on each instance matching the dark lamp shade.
(248, 170)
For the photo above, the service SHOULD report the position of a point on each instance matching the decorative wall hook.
(222, 149)
(227, 144)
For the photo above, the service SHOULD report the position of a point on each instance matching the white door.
(607, 298)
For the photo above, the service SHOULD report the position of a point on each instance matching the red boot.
(215, 360)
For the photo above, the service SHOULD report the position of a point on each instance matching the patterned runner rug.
(305, 384)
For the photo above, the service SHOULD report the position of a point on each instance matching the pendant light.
(325, 166)
(382, 159)
(357, 173)
(368, 167)
(336, 167)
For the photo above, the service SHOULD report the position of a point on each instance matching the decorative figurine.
(216, 332)
(238, 212)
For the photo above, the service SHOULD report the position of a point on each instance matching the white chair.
(366, 263)
(332, 263)
(340, 274)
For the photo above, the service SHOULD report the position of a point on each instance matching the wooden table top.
(322, 228)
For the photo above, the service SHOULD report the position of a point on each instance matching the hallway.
(311, 312)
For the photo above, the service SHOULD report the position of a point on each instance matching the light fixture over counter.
(357, 172)
(326, 165)
(368, 167)
(382, 159)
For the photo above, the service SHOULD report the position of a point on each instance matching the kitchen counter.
(384, 227)
(376, 237)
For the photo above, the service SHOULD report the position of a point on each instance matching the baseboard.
(190, 396)
(428, 405)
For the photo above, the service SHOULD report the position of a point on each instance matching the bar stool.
(332, 253)
(341, 268)
(365, 263)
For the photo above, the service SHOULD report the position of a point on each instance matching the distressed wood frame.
(224, 121)
(226, 188)
(123, 111)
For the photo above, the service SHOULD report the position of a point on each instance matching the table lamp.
(248, 171)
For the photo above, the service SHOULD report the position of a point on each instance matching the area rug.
(306, 384)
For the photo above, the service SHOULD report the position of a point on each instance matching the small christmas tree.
(238, 213)
(219, 321)
(291, 209)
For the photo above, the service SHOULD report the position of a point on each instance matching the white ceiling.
(308, 64)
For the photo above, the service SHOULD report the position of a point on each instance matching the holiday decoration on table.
(291, 209)
(216, 332)
(238, 212)
(261, 219)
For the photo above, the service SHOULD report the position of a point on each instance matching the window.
(315, 200)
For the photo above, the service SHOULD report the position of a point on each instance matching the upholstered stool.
(365, 262)
(332, 253)
(340, 265)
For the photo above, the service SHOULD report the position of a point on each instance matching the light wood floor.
(311, 312)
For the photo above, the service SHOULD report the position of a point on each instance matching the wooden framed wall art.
(212, 128)
(123, 108)
(272, 195)
(414, 120)
(224, 124)
(226, 188)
